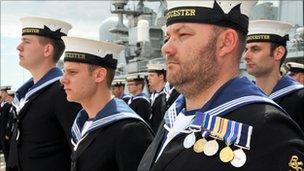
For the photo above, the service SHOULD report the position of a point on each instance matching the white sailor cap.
(5, 88)
(11, 92)
(295, 67)
(117, 82)
(233, 14)
(268, 31)
(156, 67)
(91, 51)
(46, 27)
(135, 77)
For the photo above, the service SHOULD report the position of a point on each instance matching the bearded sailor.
(265, 53)
(106, 134)
(221, 121)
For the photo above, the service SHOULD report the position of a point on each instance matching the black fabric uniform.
(5, 128)
(142, 108)
(275, 139)
(44, 123)
(126, 99)
(158, 110)
(173, 96)
(293, 103)
(118, 146)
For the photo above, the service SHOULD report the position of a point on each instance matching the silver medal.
(211, 147)
(239, 158)
(189, 140)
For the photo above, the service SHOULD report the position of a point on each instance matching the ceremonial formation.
(189, 110)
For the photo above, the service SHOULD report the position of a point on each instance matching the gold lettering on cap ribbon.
(181, 12)
(258, 37)
(30, 30)
(75, 55)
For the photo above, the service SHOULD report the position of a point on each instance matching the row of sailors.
(251, 130)
(162, 95)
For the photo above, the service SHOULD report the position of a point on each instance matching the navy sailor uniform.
(43, 118)
(116, 139)
(276, 141)
(289, 94)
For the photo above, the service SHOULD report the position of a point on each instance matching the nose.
(169, 49)
(19, 47)
(63, 80)
(246, 55)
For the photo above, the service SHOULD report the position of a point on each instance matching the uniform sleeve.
(132, 143)
(65, 111)
(278, 144)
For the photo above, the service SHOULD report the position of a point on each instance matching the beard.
(198, 74)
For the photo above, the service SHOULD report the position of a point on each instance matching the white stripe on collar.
(19, 104)
(285, 90)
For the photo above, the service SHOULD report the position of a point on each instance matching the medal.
(226, 154)
(239, 158)
(189, 140)
(211, 147)
(199, 145)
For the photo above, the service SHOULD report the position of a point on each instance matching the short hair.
(160, 72)
(58, 45)
(273, 46)
(140, 82)
(110, 73)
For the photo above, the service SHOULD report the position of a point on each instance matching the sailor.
(3, 95)
(139, 101)
(107, 134)
(4, 107)
(43, 116)
(265, 53)
(157, 80)
(296, 71)
(118, 89)
(221, 121)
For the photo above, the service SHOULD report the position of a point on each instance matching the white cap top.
(91, 51)
(93, 47)
(118, 82)
(294, 65)
(226, 6)
(156, 66)
(135, 77)
(269, 27)
(30, 23)
(5, 87)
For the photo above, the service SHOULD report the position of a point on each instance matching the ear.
(48, 50)
(226, 42)
(279, 53)
(100, 74)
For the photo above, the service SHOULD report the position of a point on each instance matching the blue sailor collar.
(139, 96)
(29, 88)
(237, 92)
(126, 96)
(285, 86)
(113, 111)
